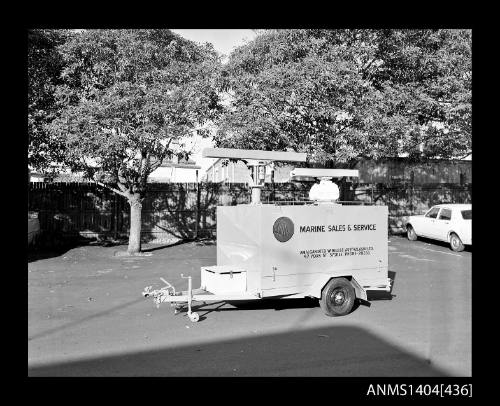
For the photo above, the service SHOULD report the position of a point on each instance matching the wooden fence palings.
(171, 209)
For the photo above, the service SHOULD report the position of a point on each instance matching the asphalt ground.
(87, 317)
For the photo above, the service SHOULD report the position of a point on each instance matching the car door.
(442, 224)
(428, 225)
(463, 219)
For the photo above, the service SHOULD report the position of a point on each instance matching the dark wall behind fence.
(172, 212)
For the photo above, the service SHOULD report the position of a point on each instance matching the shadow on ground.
(239, 305)
(330, 351)
(53, 244)
(279, 303)
(199, 242)
(203, 310)
(446, 245)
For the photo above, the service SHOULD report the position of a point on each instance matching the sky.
(224, 41)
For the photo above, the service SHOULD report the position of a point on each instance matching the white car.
(451, 223)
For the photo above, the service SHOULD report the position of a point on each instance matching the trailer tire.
(338, 297)
(410, 232)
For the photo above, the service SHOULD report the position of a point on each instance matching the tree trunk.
(134, 239)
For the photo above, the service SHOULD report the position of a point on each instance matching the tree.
(44, 65)
(340, 95)
(129, 98)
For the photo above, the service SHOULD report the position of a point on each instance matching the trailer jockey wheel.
(337, 298)
(194, 317)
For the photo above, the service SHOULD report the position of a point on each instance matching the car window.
(467, 214)
(432, 213)
(445, 214)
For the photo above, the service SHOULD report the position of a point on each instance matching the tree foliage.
(44, 65)
(129, 96)
(127, 99)
(340, 95)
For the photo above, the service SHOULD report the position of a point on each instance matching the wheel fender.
(317, 287)
(452, 232)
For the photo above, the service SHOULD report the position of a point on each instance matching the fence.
(407, 199)
(173, 212)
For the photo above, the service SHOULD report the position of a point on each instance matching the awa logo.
(283, 229)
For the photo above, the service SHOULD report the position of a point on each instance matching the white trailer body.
(286, 250)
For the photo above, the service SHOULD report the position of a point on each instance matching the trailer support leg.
(193, 316)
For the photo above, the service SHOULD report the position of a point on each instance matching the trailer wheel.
(337, 298)
(194, 317)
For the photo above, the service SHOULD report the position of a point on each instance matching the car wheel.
(337, 298)
(410, 232)
(456, 243)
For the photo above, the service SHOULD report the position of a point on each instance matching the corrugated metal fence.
(172, 212)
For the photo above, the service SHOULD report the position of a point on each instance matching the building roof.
(260, 155)
(183, 163)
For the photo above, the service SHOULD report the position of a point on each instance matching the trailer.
(320, 248)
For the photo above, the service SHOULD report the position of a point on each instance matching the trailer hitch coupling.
(159, 295)
(163, 295)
